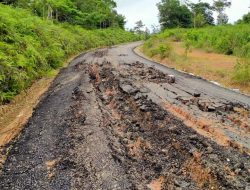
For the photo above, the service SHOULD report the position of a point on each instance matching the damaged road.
(113, 120)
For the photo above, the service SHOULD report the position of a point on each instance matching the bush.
(242, 72)
(31, 47)
(155, 46)
(164, 50)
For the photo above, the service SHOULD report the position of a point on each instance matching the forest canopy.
(87, 13)
(184, 14)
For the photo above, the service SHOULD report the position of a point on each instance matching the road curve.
(185, 80)
(114, 120)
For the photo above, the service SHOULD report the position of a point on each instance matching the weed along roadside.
(14, 115)
(202, 52)
(41, 46)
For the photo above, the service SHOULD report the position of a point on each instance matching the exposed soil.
(108, 124)
(15, 114)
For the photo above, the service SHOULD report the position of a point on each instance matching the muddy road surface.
(113, 120)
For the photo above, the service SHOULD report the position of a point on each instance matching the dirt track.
(112, 121)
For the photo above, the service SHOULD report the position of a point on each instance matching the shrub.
(164, 50)
(242, 72)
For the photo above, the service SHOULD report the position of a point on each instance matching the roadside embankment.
(220, 54)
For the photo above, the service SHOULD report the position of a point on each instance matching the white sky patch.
(135, 10)
(146, 10)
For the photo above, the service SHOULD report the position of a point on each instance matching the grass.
(201, 52)
(228, 39)
(31, 47)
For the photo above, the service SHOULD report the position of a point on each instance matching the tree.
(220, 6)
(87, 13)
(199, 20)
(139, 27)
(174, 14)
(222, 19)
(245, 19)
(120, 20)
(202, 14)
(8, 1)
(97, 13)
(147, 33)
(155, 29)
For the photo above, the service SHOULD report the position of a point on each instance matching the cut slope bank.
(31, 47)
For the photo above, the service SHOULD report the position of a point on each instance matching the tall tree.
(99, 13)
(220, 6)
(245, 19)
(147, 33)
(88, 13)
(174, 14)
(139, 27)
(202, 14)
(155, 29)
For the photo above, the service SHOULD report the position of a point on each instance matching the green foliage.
(31, 47)
(202, 14)
(220, 6)
(245, 19)
(184, 14)
(242, 72)
(228, 39)
(173, 14)
(87, 13)
(154, 46)
(163, 50)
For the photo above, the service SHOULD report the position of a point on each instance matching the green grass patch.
(155, 46)
(242, 72)
(226, 39)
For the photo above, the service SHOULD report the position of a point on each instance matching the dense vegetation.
(245, 19)
(175, 13)
(30, 47)
(87, 13)
(193, 25)
(228, 39)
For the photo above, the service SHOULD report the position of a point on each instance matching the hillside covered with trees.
(87, 13)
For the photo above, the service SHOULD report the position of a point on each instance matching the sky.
(147, 11)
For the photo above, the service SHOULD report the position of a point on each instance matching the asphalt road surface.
(114, 120)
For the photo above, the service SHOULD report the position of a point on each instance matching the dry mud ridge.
(113, 120)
